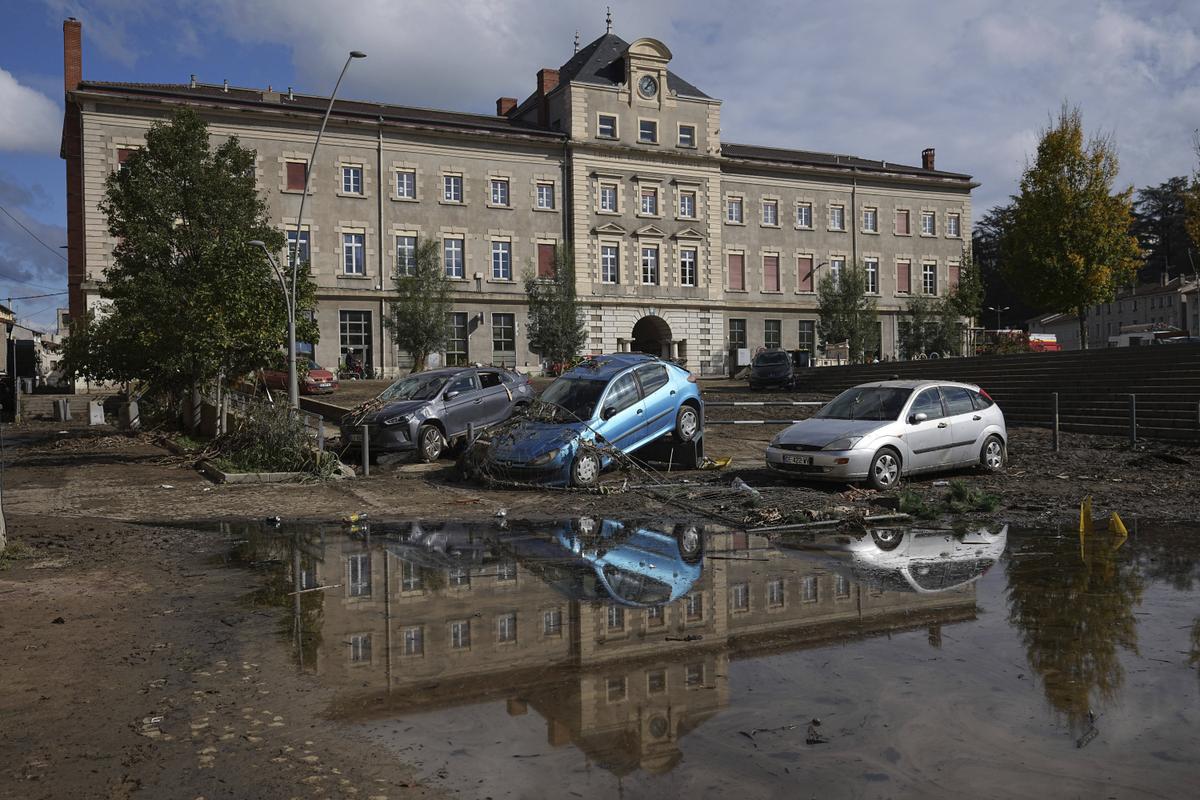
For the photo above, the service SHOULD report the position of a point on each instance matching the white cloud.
(31, 122)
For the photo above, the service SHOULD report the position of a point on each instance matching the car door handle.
(639, 410)
(477, 402)
(977, 418)
(942, 424)
(672, 391)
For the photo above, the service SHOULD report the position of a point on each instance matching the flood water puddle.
(594, 657)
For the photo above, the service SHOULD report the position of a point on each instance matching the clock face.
(648, 86)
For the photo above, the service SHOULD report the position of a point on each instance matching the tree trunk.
(1083, 342)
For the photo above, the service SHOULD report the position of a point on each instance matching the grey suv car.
(424, 412)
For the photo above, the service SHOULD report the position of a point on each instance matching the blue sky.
(974, 78)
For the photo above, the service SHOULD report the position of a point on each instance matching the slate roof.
(602, 63)
(750, 152)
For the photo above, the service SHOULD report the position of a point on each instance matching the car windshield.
(867, 402)
(574, 397)
(312, 366)
(414, 387)
(635, 588)
(771, 358)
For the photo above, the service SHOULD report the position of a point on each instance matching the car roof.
(916, 384)
(606, 366)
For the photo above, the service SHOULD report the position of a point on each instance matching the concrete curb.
(217, 475)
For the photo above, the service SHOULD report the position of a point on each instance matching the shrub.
(270, 438)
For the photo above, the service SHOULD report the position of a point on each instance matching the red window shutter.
(902, 222)
(954, 270)
(903, 276)
(771, 273)
(545, 261)
(295, 175)
(804, 268)
(123, 155)
(737, 272)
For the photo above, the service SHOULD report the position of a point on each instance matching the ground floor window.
(356, 342)
(772, 334)
(650, 266)
(456, 346)
(808, 335)
(737, 333)
(504, 340)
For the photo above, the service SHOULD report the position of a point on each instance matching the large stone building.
(684, 245)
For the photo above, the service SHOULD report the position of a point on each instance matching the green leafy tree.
(914, 326)
(1069, 246)
(556, 329)
(937, 325)
(1160, 217)
(847, 313)
(419, 318)
(189, 298)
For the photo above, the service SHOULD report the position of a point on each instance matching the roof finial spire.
(608, 19)
(576, 41)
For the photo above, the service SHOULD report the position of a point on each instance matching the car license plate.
(790, 459)
(324, 384)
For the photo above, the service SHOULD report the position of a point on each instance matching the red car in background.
(317, 380)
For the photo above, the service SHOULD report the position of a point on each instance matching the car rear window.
(958, 400)
(652, 377)
(980, 401)
(489, 379)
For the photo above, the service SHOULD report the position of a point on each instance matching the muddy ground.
(121, 669)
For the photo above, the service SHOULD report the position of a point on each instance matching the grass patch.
(960, 499)
(16, 551)
(191, 443)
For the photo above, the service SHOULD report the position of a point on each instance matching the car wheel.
(885, 469)
(887, 539)
(585, 469)
(687, 423)
(430, 443)
(690, 541)
(992, 456)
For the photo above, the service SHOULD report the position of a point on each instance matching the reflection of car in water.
(606, 560)
(436, 545)
(914, 559)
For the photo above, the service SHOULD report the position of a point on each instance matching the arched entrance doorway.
(652, 335)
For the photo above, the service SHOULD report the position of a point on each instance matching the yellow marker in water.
(1085, 516)
(1115, 525)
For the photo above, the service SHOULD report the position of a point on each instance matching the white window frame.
(500, 191)
(954, 221)
(350, 174)
(452, 189)
(460, 634)
(870, 220)
(354, 250)
(691, 145)
(650, 261)
(506, 628)
(545, 195)
(414, 640)
(804, 210)
(773, 206)
(837, 217)
(642, 131)
(616, 132)
(461, 250)
(931, 218)
(613, 192)
(837, 264)
(401, 267)
(502, 270)
(740, 204)
(686, 255)
(690, 195)
(871, 268)
(411, 190)
(610, 269)
(929, 276)
(644, 193)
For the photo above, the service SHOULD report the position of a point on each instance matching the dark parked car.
(422, 413)
(772, 368)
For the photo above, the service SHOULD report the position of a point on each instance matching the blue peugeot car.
(605, 406)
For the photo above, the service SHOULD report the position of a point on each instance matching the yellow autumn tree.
(1069, 244)
(1191, 199)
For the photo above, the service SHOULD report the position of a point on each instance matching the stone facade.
(612, 156)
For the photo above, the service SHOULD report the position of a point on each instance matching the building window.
(952, 274)
(737, 333)
(870, 220)
(506, 627)
(687, 266)
(837, 218)
(460, 634)
(808, 589)
(687, 205)
(406, 255)
(616, 618)
(504, 337)
(406, 184)
(737, 272)
(775, 593)
(804, 273)
(872, 269)
(733, 210)
(414, 641)
(694, 676)
(929, 278)
(355, 330)
(771, 280)
(687, 135)
(770, 212)
(502, 261)
(615, 689)
(650, 201)
(452, 257)
(739, 597)
(499, 192)
(360, 648)
(928, 223)
(648, 131)
(953, 225)
(772, 334)
(545, 196)
(506, 571)
(124, 154)
(841, 587)
(836, 266)
(291, 247)
(410, 577)
(655, 616)
(903, 277)
(656, 681)
(456, 345)
(650, 265)
(460, 577)
(352, 180)
(808, 337)
(354, 261)
(694, 604)
(804, 215)
(609, 263)
(902, 228)
(608, 197)
(552, 622)
(359, 574)
(452, 188)
(606, 126)
(297, 172)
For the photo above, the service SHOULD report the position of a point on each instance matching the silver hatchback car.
(878, 432)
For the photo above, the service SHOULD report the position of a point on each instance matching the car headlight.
(544, 458)
(400, 420)
(845, 443)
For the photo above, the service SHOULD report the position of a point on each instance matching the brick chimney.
(504, 105)
(547, 80)
(72, 54)
(927, 158)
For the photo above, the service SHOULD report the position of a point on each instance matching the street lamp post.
(290, 306)
(293, 386)
(998, 309)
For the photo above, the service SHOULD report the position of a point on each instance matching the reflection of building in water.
(623, 684)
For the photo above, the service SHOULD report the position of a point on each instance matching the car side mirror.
(453, 393)
(918, 418)
(608, 413)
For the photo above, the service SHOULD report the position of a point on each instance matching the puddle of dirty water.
(592, 657)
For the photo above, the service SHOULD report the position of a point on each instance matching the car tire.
(887, 539)
(691, 543)
(585, 468)
(993, 454)
(430, 443)
(884, 472)
(687, 423)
